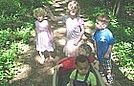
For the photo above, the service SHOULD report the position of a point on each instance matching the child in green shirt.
(82, 76)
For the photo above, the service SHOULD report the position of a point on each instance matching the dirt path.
(34, 74)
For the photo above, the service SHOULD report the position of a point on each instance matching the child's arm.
(57, 67)
(108, 51)
(95, 49)
(51, 15)
(81, 34)
(96, 64)
(51, 70)
(51, 33)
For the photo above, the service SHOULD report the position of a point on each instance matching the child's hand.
(76, 42)
(47, 9)
(51, 71)
(57, 67)
(96, 64)
(106, 55)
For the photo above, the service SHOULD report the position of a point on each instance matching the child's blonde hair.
(73, 5)
(39, 12)
(84, 49)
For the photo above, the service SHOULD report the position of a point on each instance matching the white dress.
(73, 32)
(43, 36)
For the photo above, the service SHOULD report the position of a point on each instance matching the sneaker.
(109, 78)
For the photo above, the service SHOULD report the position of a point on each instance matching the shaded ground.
(34, 74)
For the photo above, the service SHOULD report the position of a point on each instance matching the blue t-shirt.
(103, 39)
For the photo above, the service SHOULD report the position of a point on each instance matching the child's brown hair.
(104, 19)
(84, 49)
(81, 59)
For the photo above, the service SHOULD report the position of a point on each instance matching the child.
(44, 37)
(103, 41)
(82, 76)
(74, 28)
(67, 65)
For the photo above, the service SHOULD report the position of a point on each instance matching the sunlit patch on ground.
(60, 36)
(23, 72)
(127, 72)
(37, 58)
(60, 30)
(61, 41)
(23, 48)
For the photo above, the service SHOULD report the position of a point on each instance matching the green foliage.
(14, 13)
(9, 50)
(126, 61)
(124, 46)
(7, 63)
(9, 7)
(16, 24)
(20, 34)
(6, 38)
(14, 20)
(23, 33)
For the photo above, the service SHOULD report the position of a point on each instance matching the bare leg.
(42, 58)
(50, 57)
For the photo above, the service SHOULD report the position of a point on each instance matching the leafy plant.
(125, 61)
(7, 63)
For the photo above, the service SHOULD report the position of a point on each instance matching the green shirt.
(91, 78)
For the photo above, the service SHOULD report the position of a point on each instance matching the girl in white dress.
(74, 28)
(44, 37)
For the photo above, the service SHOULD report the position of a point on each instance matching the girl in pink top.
(74, 28)
(44, 37)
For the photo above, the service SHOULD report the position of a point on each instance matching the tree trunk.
(117, 10)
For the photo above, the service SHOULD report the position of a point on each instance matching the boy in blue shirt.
(103, 43)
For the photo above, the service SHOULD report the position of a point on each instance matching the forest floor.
(34, 74)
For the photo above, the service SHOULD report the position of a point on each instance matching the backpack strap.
(76, 75)
(87, 75)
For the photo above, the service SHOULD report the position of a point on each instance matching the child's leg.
(101, 69)
(42, 57)
(50, 55)
(108, 68)
(50, 58)
(108, 71)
